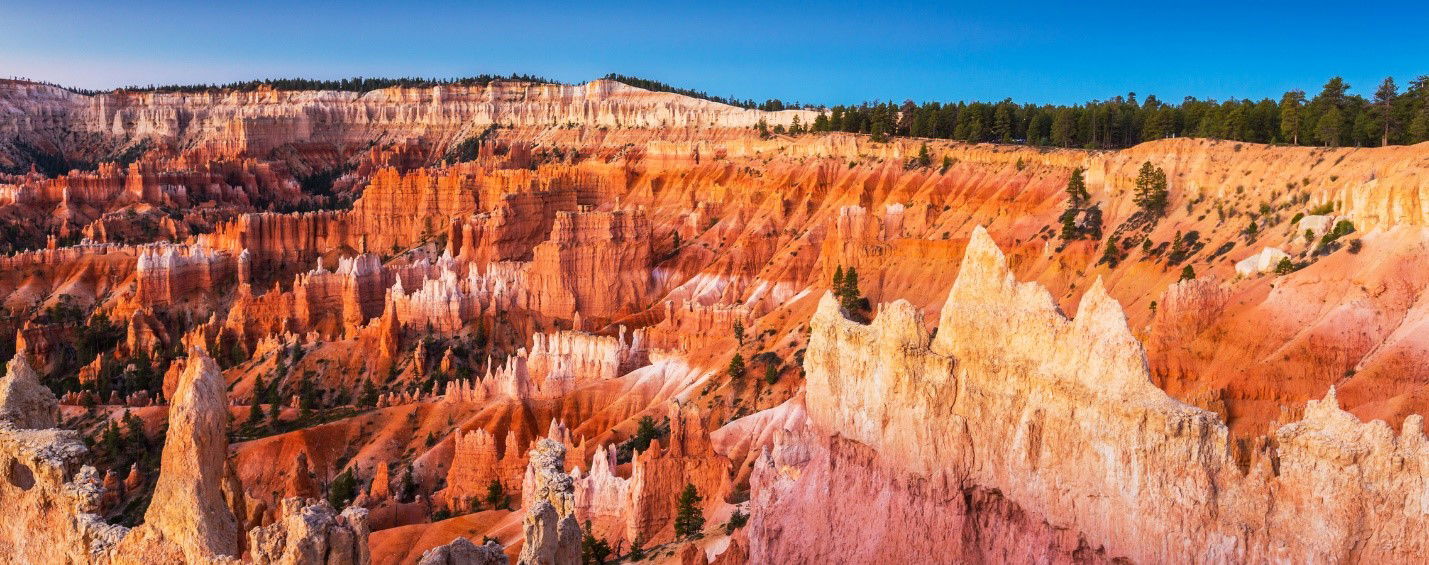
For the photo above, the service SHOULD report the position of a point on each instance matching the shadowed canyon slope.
(522, 322)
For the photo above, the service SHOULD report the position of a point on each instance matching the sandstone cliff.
(1029, 435)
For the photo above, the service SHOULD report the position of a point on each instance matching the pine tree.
(738, 331)
(342, 490)
(368, 397)
(495, 494)
(1290, 106)
(645, 432)
(771, 374)
(821, 123)
(1384, 99)
(736, 367)
(594, 551)
(1284, 267)
(849, 293)
(255, 406)
(880, 132)
(1077, 188)
(1328, 129)
(408, 487)
(1188, 273)
(924, 159)
(1110, 254)
(838, 283)
(1151, 189)
(1002, 122)
(689, 520)
(637, 547)
(1063, 126)
(1419, 127)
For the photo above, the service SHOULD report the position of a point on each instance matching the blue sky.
(838, 52)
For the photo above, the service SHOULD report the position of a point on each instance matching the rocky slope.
(1029, 436)
(381, 303)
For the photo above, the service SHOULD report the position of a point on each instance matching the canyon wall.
(1025, 435)
(257, 122)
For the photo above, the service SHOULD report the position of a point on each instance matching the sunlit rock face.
(476, 324)
(1031, 437)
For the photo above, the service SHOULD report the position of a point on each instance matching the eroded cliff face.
(190, 519)
(1030, 436)
(403, 292)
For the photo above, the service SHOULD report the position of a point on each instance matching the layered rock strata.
(1027, 435)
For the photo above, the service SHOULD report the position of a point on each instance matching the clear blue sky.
(840, 52)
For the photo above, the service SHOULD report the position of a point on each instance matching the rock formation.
(408, 284)
(309, 531)
(1033, 435)
(24, 402)
(188, 519)
(462, 551)
(552, 534)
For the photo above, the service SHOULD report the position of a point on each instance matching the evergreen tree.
(771, 374)
(645, 432)
(637, 549)
(689, 520)
(1290, 106)
(255, 406)
(1188, 273)
(1002, 122)
(1328, 130)
(1110, 254)
(368, 397)
(736, 367)
(1284, 267)
(821, 122)
(837, 284)
(1384, 100)
(1419, 126)
(408, 488)
(495, 494)
(1151, 191)
(879, 133)
(1063, 126)
(1077, 188)
(342, 490)
(594, 551)
(738, 331)
(849, 293)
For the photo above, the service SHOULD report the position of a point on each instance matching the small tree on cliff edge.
(848, 293)
(739, 331)
(689, 520)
